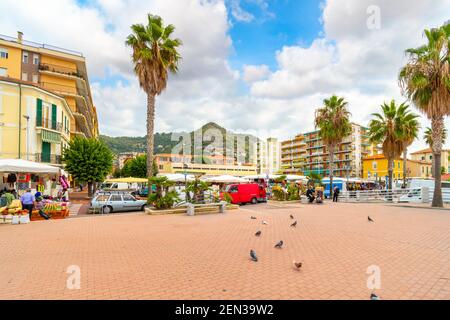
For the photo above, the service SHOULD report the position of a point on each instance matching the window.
(431, 157)
(128, 198)
(102, 198)
(3, 53)
(398, 164)
(116, 197)
(35, 78)
(423, 158)
(374, 165)
(35, 59)
(25, 57)
(3, 72)
(24, 76)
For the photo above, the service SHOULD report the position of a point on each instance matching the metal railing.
(40, 45)
(413, 195)
(47, 158)
(60, 69)
(48, 124)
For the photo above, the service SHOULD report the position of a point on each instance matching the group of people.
(29, 201)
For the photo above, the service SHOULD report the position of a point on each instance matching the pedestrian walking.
(335, 194)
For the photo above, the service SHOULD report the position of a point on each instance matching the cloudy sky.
(254, 66)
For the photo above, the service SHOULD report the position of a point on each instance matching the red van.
(246, 193)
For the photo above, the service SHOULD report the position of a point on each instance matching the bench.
(191, 207)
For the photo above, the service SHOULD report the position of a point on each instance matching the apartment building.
(348, 155)
(34, 122)
(59, 71)
(293, 155)
(267, 156)
(427, 155)
(375, 167)
(210, 165)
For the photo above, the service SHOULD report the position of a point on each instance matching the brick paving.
(136, 256)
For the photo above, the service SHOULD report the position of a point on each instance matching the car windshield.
(106, 186)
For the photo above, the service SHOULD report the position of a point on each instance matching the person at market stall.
(39, 205)
(27, 200)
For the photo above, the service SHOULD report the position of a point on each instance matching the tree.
(88, 160)
(163, 198)
(154, 55)
(410, 130)
(428, 137)
(198, 189)
(425, 80)
(334, 125)
(387, 129)
(136, 168)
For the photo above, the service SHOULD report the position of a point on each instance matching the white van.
(415, 193)
(119, 186)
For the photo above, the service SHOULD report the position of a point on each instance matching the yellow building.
(375, 167)
(418, 169)
(57, 70)
(34, 122)
(427, 155)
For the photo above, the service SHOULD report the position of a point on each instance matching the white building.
(267, 156)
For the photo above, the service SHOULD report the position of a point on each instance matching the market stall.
(45, 180)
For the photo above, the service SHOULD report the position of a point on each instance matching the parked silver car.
(116, 202)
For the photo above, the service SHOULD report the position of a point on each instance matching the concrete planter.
(183, 210)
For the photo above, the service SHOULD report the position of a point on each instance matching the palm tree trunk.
(437, 126)
(150, 130)
(405, 162)
(331, 169)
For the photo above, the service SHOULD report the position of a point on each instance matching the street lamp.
(185, 167)
(28, 132)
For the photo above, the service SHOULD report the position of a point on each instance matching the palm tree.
(387, 129)
(154, 55)
(428, 137)
(334, 125)
(410, 130)
(425, 80)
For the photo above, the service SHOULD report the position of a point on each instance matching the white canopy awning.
(24, 166)
(177, 177)
(226, 179)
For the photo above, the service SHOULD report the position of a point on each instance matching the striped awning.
(50, 136)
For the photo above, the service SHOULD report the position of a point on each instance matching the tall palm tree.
(334, 125)
(425, 80)
(387, 129)
(428, 137)
(410, 130)
(154, 55)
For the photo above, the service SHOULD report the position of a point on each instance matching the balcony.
(60, 69)
(48, 158)
(46, 123)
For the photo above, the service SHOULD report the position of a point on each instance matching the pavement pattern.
(136, 256)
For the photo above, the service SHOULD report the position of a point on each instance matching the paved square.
(136, 256)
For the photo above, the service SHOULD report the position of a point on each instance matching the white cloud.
(254, 73)
(240, 14)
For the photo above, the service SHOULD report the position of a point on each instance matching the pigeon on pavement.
(369, 219)
(253, 256)
(264, 222)
(258, 233)
(253, 218)
(279, 245)
(373, 296)
(294, 224)
(292, 217)
(297, 265)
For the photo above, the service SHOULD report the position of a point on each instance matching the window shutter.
(39, 112)
(54, 110)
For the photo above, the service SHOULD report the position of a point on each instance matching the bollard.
(190, 209)
(223, 207)
(425, 192)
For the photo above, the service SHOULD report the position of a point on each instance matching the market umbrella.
(129, 180)
(177, 177)
(226, 179)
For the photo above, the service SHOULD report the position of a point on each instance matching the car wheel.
(107, 209)
(254, 201)
(143, 207)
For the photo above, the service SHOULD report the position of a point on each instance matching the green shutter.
(39, 112)
(54, 110)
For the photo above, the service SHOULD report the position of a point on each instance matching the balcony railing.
(48, 158)
(60, 69)
(48, 124)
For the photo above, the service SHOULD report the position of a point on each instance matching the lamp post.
(185, 166)
(28, 133)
